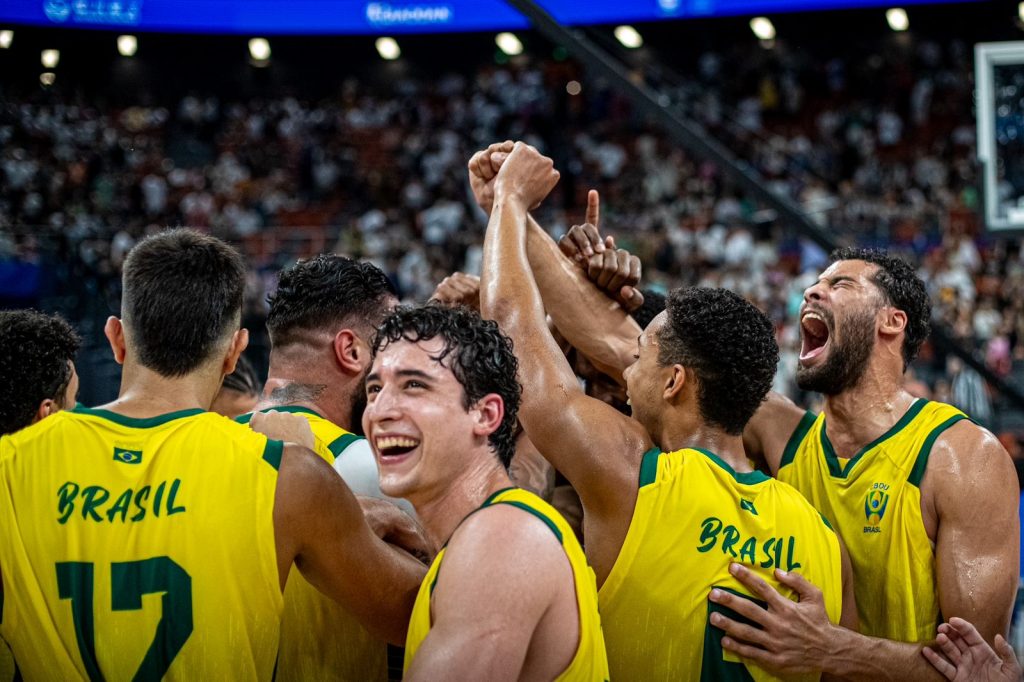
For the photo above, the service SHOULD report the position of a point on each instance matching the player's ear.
(675, 380)
(114, 331)
(488, 412)
(351, 352)
(239, 342)
(894, 320)
(46, 408)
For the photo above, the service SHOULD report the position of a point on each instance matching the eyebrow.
(405, 373)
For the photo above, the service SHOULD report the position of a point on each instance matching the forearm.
(858, 657)
(594, 324)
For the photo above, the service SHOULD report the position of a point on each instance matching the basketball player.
(925, 499)
(669, 497)
(509, 595)
(240, 392)
(37, 367)
(321, 320)
(151, 495)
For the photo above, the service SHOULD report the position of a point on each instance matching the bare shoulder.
(968, 463)
(504, 533)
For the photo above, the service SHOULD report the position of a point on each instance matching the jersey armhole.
(272, 453)
(649, 467)
(796, 438)
(339, 444)
(921, 463)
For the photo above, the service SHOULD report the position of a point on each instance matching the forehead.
(403, 354)
(650, 334)
(855, 269)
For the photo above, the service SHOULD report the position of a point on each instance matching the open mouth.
(814, 335)
(391, 447)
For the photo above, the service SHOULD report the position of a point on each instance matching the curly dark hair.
(35, 350)
(326, 290)
(903, 289)
(243, 379)
(182, 296)
(481, 358)
(730, 346)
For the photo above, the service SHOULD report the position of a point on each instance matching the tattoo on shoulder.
(292, 393)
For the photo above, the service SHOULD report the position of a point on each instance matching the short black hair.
(325, 290)
(902, 289)
(35, 350)
(730, 346)
(481, 358)
(243, 379)
(182, 295)
(654, 304)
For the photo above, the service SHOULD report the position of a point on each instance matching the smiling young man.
(509, 595)
(925, 499)
(670, 499)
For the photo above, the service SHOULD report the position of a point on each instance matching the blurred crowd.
(878, 150)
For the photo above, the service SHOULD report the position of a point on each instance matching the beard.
(847, 361)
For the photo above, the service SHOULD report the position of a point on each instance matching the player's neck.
(330, 396)
(145, 393)
(441, 513)
(703, 437)
(862, 413)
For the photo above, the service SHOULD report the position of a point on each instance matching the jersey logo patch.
(127, 456)
(749, 506)
(875, 504)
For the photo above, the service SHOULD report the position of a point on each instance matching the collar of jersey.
(748, 477)
(136, 422)
(245, 418)
(836, 468)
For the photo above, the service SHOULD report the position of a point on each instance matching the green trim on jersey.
(247, 417)
(548, 522)
(747, 478)
(921, 463)
(649, 467)
(836, 468)
(273, 452)
(797, 437)
(338, 445)
(714, 667)
(136, 422)
(490, 499)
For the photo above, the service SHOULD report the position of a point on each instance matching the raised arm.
(595, 447)
(319, 525)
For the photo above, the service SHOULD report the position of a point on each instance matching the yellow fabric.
(874, 501)
(139, 547)
(590, 662)
(320, 640)
(694, 516)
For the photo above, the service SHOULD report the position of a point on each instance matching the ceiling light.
(6, 38)
(259, 49)
(388, 48)
(897, 18)
(127, 45)
(50, 58)
(509, 43)
(628, 36)
(762, 28)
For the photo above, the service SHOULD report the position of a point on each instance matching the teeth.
(396, 442)
(814, 316)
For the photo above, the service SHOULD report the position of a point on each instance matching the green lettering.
(730, 536)
(171, 509)
(120, 506)
(791, 565)
(66, 495)
(141, 497)
(709, 533)
(778, 552)
(769, 562)
(158, 498)
(748, 551)
(94, 496)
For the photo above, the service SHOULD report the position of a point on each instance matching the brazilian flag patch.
(127, 456)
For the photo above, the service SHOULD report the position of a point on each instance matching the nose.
(815, 292)
(382, 406)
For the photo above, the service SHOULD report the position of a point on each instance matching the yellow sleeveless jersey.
(590, 662)
(320, 640)
(874, 499)
(694, 516)
(139, 548)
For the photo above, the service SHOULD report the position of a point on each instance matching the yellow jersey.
(320, 640)
(695, 515)
(590, 662)
(139, 548)
(874, 498)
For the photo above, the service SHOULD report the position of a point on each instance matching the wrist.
(843, 648)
